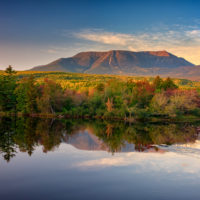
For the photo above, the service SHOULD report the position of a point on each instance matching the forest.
(109, 97)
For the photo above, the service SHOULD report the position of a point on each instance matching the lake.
(80, 159)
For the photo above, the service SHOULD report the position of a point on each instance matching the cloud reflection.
(170, 162)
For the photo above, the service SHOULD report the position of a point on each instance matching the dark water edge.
(143, 119)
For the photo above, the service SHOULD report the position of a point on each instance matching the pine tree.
(7, 88)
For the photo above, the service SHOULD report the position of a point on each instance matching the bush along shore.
(113, 99)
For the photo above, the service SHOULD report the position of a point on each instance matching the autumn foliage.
(89, 96)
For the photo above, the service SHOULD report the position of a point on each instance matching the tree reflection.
(7, 144)
(25, 134)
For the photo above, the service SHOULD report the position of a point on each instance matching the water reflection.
(25, 134)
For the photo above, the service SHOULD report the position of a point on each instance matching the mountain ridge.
(122, 63)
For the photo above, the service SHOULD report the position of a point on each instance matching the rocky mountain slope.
(145, 63)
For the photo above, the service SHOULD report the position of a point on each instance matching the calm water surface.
(63, 159)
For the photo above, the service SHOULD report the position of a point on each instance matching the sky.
(37, 32)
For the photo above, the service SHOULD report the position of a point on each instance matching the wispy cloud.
(182, 41)
(105, 37)
(55, 50)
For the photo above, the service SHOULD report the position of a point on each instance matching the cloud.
(182, 41)
(52, 51)
(105, 37)
(55, 50)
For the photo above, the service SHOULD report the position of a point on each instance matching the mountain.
(123, 62)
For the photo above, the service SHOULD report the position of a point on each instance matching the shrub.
(159, 102)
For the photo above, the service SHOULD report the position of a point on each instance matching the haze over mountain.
(144, 63)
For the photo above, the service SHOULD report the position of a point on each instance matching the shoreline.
(182, 119)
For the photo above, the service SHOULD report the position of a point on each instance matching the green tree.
(26, 93)
(169, 84)
(31, 95)
(159, 102)
(100, 87)
(9, 70)
(51, 97)
(158, 83)
(7, 88)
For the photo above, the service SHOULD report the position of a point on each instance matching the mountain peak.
(118, 62)
(159, 53)
(155, 53)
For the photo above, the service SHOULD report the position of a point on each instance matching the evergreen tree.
(9, 70)
(7, 88)
(31, 95)
(26, 93)
(169, 84)
(158, 83)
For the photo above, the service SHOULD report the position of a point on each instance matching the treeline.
(113, 99)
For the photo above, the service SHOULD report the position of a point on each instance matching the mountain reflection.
(25, 134)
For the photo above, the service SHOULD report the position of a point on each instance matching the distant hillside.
(145, 63)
